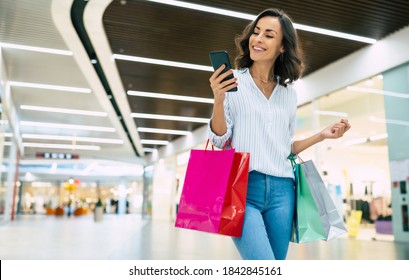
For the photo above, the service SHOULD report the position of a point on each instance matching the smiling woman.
(259, 119)
(280, 40)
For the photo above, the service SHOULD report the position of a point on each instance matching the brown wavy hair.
(289, 65)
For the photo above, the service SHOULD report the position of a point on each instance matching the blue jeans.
(268, 218)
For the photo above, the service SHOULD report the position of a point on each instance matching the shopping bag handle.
(228, 142)
(207, 143)
(224, 147)
(294, 156)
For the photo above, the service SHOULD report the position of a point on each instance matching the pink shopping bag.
(214, 192)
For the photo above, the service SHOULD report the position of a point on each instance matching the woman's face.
(265, 43)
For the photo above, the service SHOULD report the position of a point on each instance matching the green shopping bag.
(315, 214)
(306, 223)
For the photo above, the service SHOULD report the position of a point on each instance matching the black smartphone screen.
(218, 58)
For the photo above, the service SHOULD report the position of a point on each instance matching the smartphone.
(218, 58)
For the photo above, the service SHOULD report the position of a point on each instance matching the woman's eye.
(255, 33)
(269, 36)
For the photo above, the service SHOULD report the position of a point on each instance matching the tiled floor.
(129, 237)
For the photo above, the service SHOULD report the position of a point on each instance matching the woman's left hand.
(336, 130)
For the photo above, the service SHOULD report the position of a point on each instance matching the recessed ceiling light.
(62, 146)
(334, 33)
(208, 9)
(230, 13)
(170, 118)
(52, 87)
(154, 142)
(378, 137)
(35, 49)
(356, 141)
(378, 91)
(164, 131)
(63, 111)
(68, 126)
(163, 62)
(170, 96)
(365, 139)
(331, 113)
(390, 121)
(72, 138)
(149, 150)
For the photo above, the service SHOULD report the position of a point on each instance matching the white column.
(10, 182)
(164, 184)
(122, 196)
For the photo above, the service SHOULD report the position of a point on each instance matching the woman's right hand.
(219, 87)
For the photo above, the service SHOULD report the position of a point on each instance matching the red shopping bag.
(214, 192)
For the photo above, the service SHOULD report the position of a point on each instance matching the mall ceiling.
(154, 30)
(117, 48)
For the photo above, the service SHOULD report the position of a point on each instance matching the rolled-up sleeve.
(216, 140)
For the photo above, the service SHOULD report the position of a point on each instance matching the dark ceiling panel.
(369, 18)
(164, 79)
(152, 30)
(156, 136)
(165, 124)
(159, 136)
(320, 50)
(163, 32)
(170, 107)
(151, 146)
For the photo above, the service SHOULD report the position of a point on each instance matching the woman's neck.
(261, 72)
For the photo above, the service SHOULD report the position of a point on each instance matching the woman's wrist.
(321, 136)
(218, 101)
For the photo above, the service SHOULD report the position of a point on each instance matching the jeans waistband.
(256, 174)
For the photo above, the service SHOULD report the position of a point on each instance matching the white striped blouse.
(262, 127)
